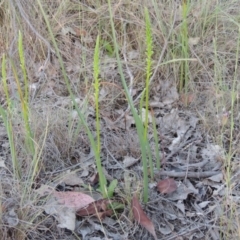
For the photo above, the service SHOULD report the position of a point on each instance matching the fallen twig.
(191, 166)
(189, 174)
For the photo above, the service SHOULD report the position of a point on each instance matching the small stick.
(191, 166)
(189, 174)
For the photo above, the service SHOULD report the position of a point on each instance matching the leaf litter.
(167, 185)
(141, 217)
(185, 159)
(180, 144)
(182, 207)
(64, 205)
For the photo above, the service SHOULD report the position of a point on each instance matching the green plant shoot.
(24, 96)
(6, 116)
(96, 72)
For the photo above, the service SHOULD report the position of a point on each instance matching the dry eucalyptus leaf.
(167, 185)
(181, 193)
(75, 200)
(71, 179)
(141, 217)
(129, 161)
(98, 208)
(63, 205)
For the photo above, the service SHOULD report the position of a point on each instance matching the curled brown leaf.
(98, 208)
(141, 217)
(167, 185)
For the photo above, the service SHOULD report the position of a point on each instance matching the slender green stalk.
(138, 120)
(24, 96)
(25, 112)
(37, 156)
(217, 66)
(149, 53)
(184, 76)
(234, 92)
(233, 108)
(232, 122)
(6, 116)
(4, 80)
(23, 66)
(96, 72)
(80, 114)
(34, 168)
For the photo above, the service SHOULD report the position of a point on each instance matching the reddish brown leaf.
(141, 217)
(63, 205)
(76, 200)
(102, 215)
(167, 185)
(98, 208)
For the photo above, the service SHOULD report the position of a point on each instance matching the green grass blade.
(138, 120)
(80, 114)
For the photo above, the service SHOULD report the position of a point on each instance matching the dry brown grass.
(213, 81)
